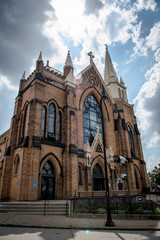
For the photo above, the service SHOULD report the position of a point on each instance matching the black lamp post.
(109, 221)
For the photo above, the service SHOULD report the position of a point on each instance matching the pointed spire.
(121, 81)
(68, 62)
(109, 72)
(40, 57)
(23, 76)
(39, 63)
(68, 65)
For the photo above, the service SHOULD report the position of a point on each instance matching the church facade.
(54, 147)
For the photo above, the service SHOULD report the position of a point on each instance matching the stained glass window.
(91, 118)
(59, 120)
(43, 124)
(131, 142)
(51, 121)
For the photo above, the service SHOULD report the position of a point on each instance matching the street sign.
(140, 199)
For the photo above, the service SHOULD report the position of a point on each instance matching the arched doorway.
(48, 181)
(98, 178)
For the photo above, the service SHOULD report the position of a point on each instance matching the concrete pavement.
(56, 221)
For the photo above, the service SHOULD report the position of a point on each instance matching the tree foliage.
(154, 176)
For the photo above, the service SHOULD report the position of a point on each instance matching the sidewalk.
(56, 221)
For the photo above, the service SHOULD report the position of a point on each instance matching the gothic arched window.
(131, 142)
(91, 118)
(98, 178)
(51, 121)
(59, 122)
(16, 164)
(43, 124)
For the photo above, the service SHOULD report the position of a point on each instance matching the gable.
(90, 76)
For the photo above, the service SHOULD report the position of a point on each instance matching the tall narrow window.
(59, 122)
(123, 95)
(79, 175)
(16, 164)
(20, 129)
(51, 121)
(119, 91)
(91, 118)
(24, 122)
(131, 143)
(43, 124)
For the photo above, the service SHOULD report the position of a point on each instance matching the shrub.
(101, 210)
(80, 209)
(157, 210)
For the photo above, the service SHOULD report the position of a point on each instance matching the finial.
(40, 57)
(121, 81)
(91, 56)
(23, 76)
(68, 62)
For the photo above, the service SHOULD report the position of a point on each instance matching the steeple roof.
(68, 62)
(40, 57)
(23, 76)
(109, 72)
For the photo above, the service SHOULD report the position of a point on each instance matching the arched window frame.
(92, 116)
(131, 141)
(43, 123)
(59, 126)
(50, 170)
(51, 121)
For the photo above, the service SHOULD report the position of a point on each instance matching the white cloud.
(147, 108)
(139, 48)
(5, 81)
(112, 23)
(154, 141)
(153, 40)
(152, 161)
(145, 4)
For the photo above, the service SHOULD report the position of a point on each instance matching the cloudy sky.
(131, 28)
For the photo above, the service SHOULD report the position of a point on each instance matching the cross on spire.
(91, 56)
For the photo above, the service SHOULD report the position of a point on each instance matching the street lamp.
(109, 221)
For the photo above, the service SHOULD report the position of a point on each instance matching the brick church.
(54, 146)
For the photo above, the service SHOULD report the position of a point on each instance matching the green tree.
(154, 176)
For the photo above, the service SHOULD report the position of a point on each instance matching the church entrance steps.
(51, 207)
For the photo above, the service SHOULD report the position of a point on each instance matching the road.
(21, 233)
